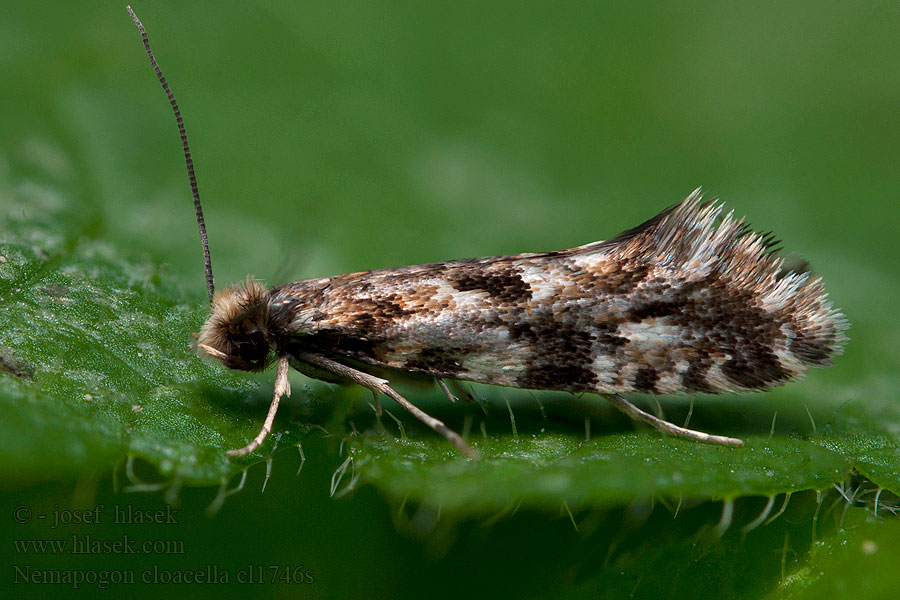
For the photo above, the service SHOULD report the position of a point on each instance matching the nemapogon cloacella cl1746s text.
(690, 301)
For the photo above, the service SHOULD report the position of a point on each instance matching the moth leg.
(282, 388)
(635, 413)
(376, 384)
(460, 392)
(445, 389)
(377, 403)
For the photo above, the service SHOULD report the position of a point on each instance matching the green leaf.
(96, 357)
(868, 432)
(858, 560)
(96, 353)
(98, 368)
(550, 469)
(343, 146)
(812, 448)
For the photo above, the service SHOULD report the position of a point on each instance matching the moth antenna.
(201, 224)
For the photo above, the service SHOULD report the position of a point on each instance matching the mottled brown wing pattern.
(687, 302)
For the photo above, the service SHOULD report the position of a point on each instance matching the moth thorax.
(237, 331)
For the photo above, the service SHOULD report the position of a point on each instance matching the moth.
(690, 301)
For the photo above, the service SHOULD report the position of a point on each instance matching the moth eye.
(253, 348)
(257, 341)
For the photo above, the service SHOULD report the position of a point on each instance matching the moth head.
(237, 331)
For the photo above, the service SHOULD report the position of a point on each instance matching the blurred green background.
(333, 137)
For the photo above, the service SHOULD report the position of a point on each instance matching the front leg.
(378, 385)
(282, 388)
